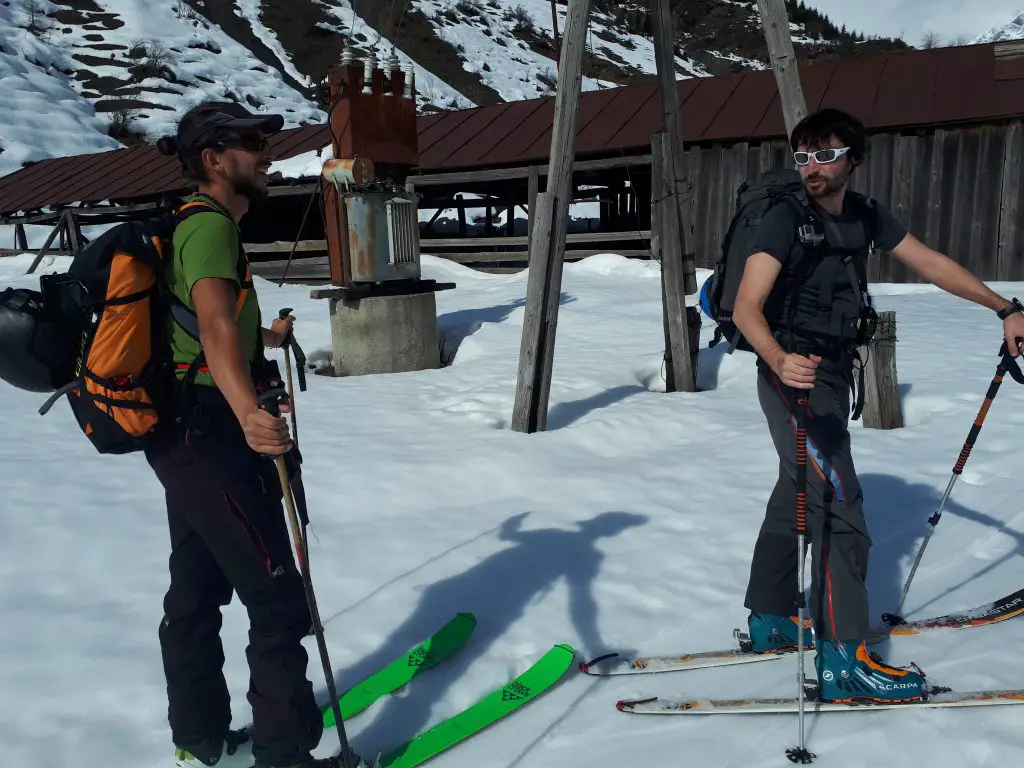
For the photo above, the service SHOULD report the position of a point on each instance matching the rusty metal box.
(384, 236)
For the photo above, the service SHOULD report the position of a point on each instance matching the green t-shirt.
(208, 244)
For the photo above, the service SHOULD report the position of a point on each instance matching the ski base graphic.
(498, 704)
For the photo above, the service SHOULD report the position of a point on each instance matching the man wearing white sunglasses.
(803, 306)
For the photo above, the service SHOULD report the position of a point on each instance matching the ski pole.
(1006, 365)
(800, 754)
(271, 401)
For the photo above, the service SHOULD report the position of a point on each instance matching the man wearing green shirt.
(224, 501)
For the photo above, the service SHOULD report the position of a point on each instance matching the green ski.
(438, 648)
(541, 676)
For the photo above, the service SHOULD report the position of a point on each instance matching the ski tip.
(626, 705)
(585, 666)
(467, 616)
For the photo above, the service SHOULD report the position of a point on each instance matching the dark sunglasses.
(250, 142)
(822, 156)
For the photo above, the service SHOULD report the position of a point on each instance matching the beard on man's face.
(819, 185)
(246, 185)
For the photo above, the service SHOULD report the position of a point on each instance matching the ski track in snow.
(627, 526)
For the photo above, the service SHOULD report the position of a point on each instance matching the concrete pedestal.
(384, 334)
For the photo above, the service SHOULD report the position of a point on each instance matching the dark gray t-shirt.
(777, 233)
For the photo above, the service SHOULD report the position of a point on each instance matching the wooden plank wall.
(956, 190)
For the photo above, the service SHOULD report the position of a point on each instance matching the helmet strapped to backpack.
(96, 333)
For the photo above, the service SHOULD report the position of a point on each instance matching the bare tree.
(930, 40)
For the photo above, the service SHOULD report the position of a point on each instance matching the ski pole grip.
(271, 400)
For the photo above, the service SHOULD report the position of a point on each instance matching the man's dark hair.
(192, 157)
(816, 129)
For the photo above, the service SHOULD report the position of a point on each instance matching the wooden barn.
(945, 154)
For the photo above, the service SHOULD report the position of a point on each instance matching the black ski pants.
(228, 533)
(836, 530)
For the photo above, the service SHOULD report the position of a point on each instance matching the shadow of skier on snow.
(498, 591)
(897, 514)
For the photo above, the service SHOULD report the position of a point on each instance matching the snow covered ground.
(627, 526)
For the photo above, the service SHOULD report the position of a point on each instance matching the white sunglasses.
(822, 156)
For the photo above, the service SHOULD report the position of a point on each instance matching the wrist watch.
(1014, 306)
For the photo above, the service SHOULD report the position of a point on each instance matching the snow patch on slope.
(1013, 30)
(431, 89)
(250, 11)
(42, 115)
(187, 61)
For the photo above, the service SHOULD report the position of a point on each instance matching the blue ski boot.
(847, 672)
(770, 633)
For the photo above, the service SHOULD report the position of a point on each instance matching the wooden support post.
(547, 245)
(783, 61)
(678, 265)
(679, 374)
(554, 31)
(1007, 264)
(664, 54)
(46, 246)
(71, 227)
(883, 408)
(20, 238)
(532, 189)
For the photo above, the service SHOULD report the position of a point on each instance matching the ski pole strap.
(293, 345)
(1009, 364)
(300, 361)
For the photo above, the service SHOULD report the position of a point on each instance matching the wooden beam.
(678, 270)
(71, 228)
(281, 246)
(292, 189)
(83, 212)
(1010, 183)
(45, 248)
(783, 61)
(547, 247)
(523, 172)
(570, 255)
(20, 238)
(532, 190)
(575, 238)
(8, 252)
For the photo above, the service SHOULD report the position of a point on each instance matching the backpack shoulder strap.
(184, 316)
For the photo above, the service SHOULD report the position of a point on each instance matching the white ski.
(788, 705)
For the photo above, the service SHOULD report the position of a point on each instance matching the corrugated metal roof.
(935, 87)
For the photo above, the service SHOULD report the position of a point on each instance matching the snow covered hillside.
(41, 114)
(628, 526)
(1012, 30)
(141, 64)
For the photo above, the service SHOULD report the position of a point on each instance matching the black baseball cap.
(201, 124)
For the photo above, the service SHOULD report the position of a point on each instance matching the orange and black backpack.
(109, 353)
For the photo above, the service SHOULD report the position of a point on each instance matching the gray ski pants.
(836, 532)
